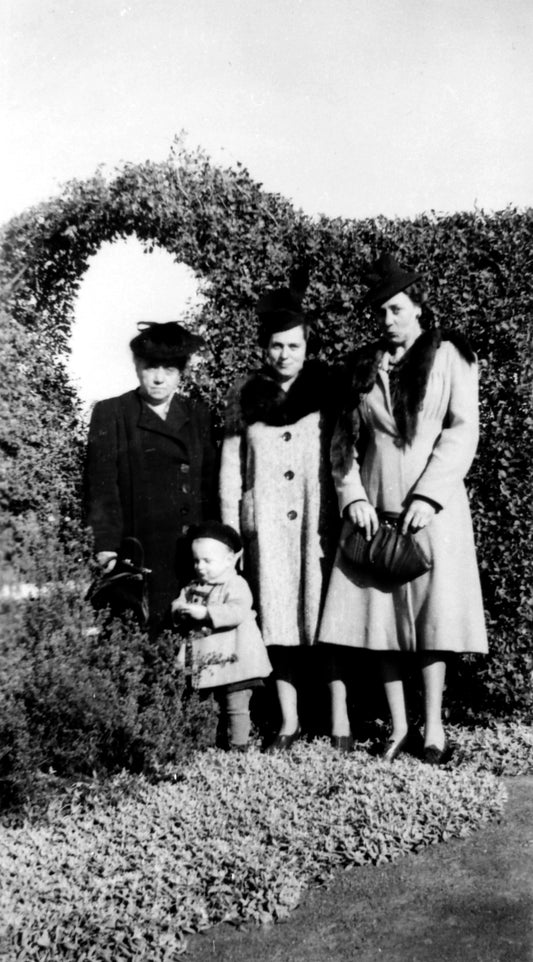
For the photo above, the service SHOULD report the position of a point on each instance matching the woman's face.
(286, 352)
(400, 320)
(158, 382)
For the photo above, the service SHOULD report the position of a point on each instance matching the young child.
(227, 649)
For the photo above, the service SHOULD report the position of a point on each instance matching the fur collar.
(408, 385)
(261, 398)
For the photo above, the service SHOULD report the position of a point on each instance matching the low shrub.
(128, 869)
(80, 693)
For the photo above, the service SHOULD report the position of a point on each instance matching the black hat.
(167, 343)
(217, 532)
(385, 279)
(278, 310)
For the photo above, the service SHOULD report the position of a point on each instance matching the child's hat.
(217, 532)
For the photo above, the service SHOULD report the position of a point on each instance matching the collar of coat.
(261, 398)
(408, 384)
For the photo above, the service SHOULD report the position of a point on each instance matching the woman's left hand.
(418, 515)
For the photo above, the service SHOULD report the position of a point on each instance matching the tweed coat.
(276, 490)
(150, 478)
(441, 610)
(233, 651)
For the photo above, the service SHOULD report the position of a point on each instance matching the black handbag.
(389, 555)
(124, 589)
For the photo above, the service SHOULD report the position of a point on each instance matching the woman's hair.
(180, 363)
(418, 294)
(266, 332)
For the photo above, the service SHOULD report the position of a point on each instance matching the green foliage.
(129, 869)
(81, 694)
(239, 239)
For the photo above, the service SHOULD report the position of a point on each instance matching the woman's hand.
(363, 515)
(418, 515)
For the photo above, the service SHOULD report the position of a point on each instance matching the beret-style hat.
(164, 343)
(217, 532)
(385, 279)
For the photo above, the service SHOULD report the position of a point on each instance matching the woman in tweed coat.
(275, 489)
(404, 444)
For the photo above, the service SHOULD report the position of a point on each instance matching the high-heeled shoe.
(343, 743)
(393, 748)
(282, 743)
(437, 756)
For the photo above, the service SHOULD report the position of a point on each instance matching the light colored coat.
(273, 481)
(233, 650)
(441, 610)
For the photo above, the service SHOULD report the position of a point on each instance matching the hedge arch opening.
(238, 240)
(124, 284)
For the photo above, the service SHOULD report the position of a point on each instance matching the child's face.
(212, 559)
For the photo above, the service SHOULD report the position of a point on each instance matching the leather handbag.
(124, 589)
(390, 555)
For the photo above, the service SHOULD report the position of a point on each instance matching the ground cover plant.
(127, 869)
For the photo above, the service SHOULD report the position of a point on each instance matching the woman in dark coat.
(150, 469)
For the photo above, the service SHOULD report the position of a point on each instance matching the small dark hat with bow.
(280, 309)
(385, 279)
(169, 343)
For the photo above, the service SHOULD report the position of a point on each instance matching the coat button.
(292, 515)
(185, 488)
(286, 436)
(185, 510)
(185, 468)
(289, 475)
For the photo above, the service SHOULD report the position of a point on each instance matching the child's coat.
(233, 634)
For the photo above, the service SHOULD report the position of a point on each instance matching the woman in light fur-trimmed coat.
(412, 402)
(276, 490)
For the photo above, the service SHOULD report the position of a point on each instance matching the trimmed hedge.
(240, 239)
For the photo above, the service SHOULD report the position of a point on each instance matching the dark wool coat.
(276, 489)
(150, 478)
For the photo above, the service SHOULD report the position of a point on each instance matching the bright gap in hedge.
(123, 284)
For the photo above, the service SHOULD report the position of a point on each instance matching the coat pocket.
(247, 518)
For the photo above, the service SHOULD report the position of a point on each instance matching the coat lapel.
(174, 426)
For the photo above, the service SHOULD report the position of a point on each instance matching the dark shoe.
(436, 756)
(282, 743)
(343, 743)
(238, 748)
(392, 748)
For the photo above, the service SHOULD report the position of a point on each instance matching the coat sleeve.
(104, 509)
(209, 474)
(235, 607)
(233, 460)
(345, 470)
(456, 445)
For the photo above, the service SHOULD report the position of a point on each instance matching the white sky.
(350, 108)
(347, 107)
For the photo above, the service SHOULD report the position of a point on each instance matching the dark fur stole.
(408, 382)
(261, 398)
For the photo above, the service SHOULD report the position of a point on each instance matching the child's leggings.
(236, 706)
